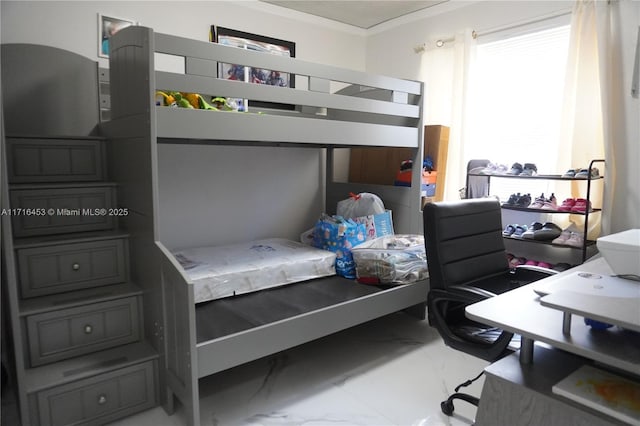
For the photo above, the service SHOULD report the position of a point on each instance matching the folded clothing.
(222, 271)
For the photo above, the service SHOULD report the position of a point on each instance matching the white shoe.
(562, 239)
(575, 240)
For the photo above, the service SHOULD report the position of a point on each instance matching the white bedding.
(223, 271)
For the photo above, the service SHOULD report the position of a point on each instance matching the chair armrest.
(538, 269)
(465, 295)
(485, 294)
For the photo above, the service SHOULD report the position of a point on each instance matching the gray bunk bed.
(205, 338)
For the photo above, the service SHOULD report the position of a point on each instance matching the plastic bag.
(376, 225)
(394, 259)
(339, 235)
(357, 205)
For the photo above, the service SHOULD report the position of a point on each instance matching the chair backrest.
(464, 241)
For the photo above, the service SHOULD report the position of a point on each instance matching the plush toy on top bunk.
(194, 101)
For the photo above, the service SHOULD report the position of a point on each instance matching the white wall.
(73, 25)
(390, 51)
(253, 192)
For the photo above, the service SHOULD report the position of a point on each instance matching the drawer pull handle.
(75, 266)
(88, 329)
(102, 399)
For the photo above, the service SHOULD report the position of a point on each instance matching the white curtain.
(445, 71)
(592, 117)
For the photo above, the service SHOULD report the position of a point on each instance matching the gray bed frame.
(370, 111)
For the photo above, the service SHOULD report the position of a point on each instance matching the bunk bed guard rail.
(332, 106)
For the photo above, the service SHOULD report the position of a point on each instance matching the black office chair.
(468, 263)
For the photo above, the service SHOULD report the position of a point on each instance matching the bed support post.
(181, 351)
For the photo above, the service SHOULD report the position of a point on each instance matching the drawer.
(66, 333)
(57, 268)
(58, 210)
(54, 160)
(99, 399)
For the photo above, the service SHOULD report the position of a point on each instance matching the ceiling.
(359, 13)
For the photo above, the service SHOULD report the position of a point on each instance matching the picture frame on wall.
(107, 27)
(258, 43)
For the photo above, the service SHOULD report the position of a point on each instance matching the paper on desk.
(606, 392)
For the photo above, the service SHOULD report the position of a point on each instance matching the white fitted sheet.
(222, 271)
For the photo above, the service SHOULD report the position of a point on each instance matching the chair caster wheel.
(447, 407)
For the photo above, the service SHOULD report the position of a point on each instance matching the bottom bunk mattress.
(223, 271)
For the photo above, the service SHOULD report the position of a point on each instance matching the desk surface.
(520, 311)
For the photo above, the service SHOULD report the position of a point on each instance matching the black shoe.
(524, 200)
(516, 169)
(529, 169)
(513, 199)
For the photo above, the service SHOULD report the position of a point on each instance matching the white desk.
(518, 392)
(520, 311)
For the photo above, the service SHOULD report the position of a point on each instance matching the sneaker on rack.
(575, 240)
(550, 203)
(501, 169)
(567, 205)
(530, 232)
(562, 239)
(571, 173)
(581, 206)
(538, 202)
(529, 169)
(516, 169)
(513, 199)
(509, 230)
(520, 229)
(548, 232)
(587, 173)
(489, 169)
(524, 201)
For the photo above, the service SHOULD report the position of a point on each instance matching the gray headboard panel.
(49, 91)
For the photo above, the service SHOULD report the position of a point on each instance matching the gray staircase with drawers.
(80, 352)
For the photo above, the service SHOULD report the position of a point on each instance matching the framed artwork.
(259, 43)
(107, 27)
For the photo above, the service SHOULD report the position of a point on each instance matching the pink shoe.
(516, 261)
(567, 205)
(581, 206)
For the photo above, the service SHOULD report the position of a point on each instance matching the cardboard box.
(428, 190)
(429, 177)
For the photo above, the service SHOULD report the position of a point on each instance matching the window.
(515, 104)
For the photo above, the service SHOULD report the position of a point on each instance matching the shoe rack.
(546, 250)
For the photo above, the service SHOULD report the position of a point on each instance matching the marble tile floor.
(391, 371)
